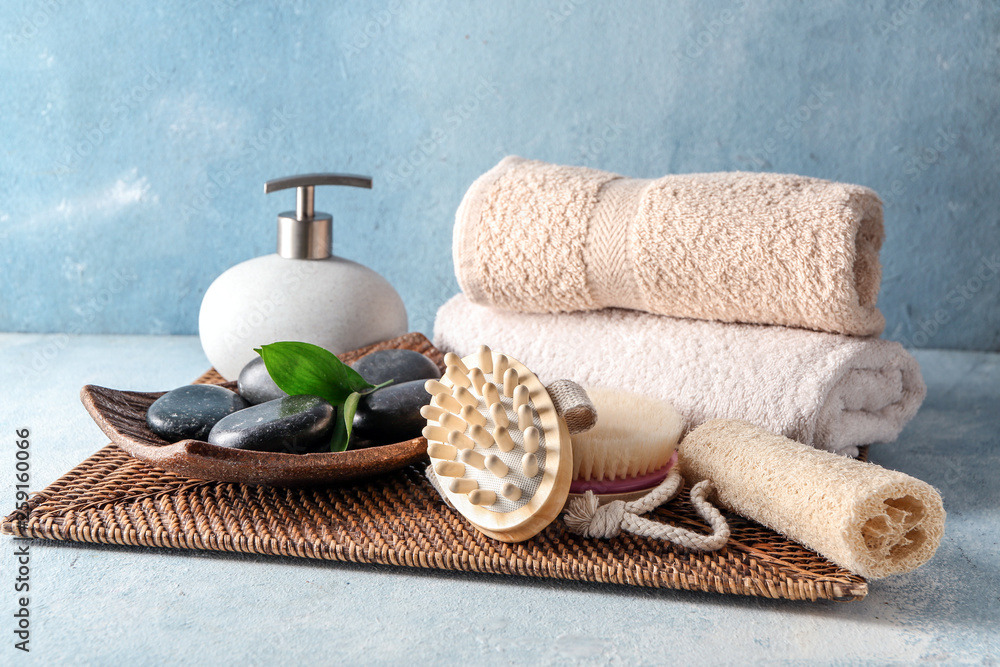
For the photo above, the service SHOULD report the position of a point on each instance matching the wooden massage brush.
(498, 445)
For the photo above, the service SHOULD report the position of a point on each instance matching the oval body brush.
(625, 467)
(498, 446)
(632, 448)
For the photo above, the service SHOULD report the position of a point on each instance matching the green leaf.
(303, 368)
(342, 429)
(376, 387)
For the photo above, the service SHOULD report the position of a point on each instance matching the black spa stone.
(191, 411)
(294, 425)
(256, 385)
(391, 414)
(398, 365)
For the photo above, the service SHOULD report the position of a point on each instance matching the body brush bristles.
(632, 447)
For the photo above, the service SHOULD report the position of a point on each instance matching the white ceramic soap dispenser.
(302, 293)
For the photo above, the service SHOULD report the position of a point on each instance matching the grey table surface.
(107, 605)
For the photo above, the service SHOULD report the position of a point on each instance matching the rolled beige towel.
(829, 391)
(732, 247)
(867, 519)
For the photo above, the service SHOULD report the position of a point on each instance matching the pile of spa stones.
(264, 418)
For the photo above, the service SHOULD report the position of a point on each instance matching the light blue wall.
(136, 137)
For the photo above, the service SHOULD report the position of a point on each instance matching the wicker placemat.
(399, 519)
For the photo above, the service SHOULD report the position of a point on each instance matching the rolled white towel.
(830, 391)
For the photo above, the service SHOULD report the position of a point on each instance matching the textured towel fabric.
(732, 247)
(830, 391)
(870, 520)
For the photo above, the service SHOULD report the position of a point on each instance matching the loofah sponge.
(870, 520)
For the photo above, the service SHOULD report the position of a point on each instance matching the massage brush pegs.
(498, 445)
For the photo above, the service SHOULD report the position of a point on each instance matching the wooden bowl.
(122, 416)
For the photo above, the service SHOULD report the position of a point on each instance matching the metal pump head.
(306, 233)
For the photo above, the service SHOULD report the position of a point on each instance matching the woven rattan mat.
(398, 519)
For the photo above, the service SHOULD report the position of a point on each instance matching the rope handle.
(586, 516)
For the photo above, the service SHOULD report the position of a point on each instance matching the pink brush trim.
(647, 481)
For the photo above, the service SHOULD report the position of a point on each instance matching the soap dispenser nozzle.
(306, 233)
